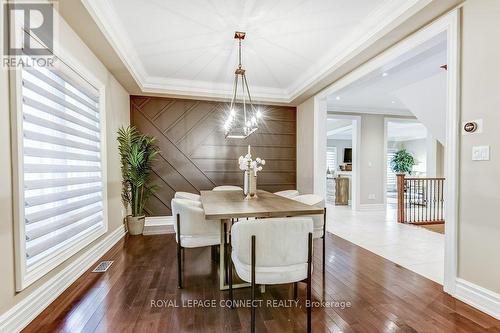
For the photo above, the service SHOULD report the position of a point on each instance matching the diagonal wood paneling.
(195, 155)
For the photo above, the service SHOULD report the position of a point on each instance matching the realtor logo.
(28, 30)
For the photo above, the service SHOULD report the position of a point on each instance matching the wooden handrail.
(423, 178)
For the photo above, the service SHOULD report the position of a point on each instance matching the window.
(331, 159)
(391, 176)
(61, 193)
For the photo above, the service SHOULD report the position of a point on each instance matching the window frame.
(24, 277)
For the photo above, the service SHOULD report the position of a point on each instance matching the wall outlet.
(481, 153)
(371, 196)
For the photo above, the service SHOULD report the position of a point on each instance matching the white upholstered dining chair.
(192, 229)
(319, 220)
(187, 196)
(272, 251)
(227, 188)
(288, 193)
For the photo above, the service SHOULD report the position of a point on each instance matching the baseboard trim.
(481, 298)
(159, 225)
(371, 207)
(21, 314)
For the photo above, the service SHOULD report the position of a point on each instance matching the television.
(347, 155)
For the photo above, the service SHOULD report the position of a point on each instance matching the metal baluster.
(442, 199)
(418, 199)
(427, 197)
(439, 200)
(409, 200)
(406, 202)
(414, 196)
(434, 199)
(425, 200)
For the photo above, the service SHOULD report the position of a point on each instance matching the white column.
(320, 142)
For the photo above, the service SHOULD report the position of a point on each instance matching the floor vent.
(102, 267)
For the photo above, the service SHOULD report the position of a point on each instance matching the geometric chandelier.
(243, 118)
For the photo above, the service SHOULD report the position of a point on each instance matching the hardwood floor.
(383, 296)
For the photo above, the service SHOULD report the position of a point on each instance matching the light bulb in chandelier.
(243, 117)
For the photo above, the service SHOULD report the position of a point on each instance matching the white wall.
(418, 149)
(117, 114)
(426, 99)
(311, 150)
(305, 146)
(479, 193)
(372, 160)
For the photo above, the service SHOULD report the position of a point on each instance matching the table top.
(233, 204)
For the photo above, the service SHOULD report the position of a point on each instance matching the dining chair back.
(227, 188)
(192, 229)
(314, 200)
(188, 196)
(272, 251)
(319, 220)
(288, 193)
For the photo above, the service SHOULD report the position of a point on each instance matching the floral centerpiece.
(250, 168)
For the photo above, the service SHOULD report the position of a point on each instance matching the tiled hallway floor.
(414, 248)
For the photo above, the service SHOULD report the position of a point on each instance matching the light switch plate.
(481, 153)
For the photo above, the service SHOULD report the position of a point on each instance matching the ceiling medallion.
(242, 119)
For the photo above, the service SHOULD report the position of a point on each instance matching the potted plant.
(137, 153)
(402, 162)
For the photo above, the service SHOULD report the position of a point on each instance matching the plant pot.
(135, 224)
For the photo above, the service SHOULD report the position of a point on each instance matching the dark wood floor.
(383, 296)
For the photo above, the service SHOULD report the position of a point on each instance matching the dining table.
(232, 206)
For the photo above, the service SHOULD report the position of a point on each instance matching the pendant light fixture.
(243, 118)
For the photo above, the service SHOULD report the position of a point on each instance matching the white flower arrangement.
(247, 164)
(250, 168)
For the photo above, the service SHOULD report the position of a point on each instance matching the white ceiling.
(187, 47)
(339, 129)
(405, 130)
(376, 92)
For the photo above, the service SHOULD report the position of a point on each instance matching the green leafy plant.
(402, 162)
(137, 153)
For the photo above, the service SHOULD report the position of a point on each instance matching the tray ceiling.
(187, 47)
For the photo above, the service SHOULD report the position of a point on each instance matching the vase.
(250, 184)
(246, 182)
(135, 224)
(253, 185)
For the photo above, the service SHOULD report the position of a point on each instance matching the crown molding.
(381, 20)
(103, 15)
(406, 138)
(391, 13)
(212, 90)
(368, 110)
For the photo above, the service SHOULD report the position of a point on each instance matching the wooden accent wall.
(196, 156)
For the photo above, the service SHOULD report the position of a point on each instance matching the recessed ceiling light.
(338, 98)
(393, 102)
(385, 74)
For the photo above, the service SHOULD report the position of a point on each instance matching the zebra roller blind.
(331, 159)
(60, 167)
